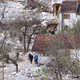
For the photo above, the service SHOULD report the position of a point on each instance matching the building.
(52, 27)
(57, 6)
(64, 43)
(69, 14)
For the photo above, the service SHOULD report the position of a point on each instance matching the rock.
(13, 73)
(27, 77)
(43, 76)
(32, 78)
(35, 74)
(44, 60)
(38, 65)
(31, 75)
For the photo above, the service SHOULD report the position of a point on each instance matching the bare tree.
(27, 28)
(4, 50)
(75, 29)
(59, 49)
(74, 41)
(56, 54)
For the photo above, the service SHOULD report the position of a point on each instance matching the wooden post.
(17, 68)
(3, 70)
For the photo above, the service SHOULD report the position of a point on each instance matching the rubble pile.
(15, 11)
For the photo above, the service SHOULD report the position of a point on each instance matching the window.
(67, 52)
(66, 16)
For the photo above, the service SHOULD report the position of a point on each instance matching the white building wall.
(68, 22)
(75, 54)
(78, 17)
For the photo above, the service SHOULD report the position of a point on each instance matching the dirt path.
(25, 68)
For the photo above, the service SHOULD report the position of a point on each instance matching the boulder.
(44, 60)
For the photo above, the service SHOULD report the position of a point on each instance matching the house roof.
(69, 5)
(39, 44)
(42, 41)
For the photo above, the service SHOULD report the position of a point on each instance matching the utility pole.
(3, 70)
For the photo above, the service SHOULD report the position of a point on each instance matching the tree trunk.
(29, 40)
(24, 43)
(17, 68)
(15, 63)
(60, 76)
(3, 70)
(59, 70)
(56, 75)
